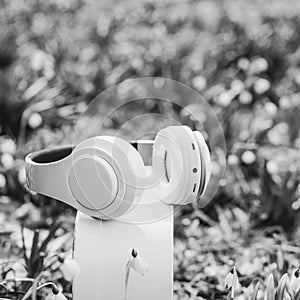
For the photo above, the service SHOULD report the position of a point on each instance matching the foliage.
(242, 56)
(204, 255)
(55, 57)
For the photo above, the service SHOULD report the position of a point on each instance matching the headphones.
(105, 176)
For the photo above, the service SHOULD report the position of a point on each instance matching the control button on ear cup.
(176, 164)
(93, 183)
(206, 165)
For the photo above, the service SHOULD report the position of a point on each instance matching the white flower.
(259, 65)
(138, 263)
(35, 120)
(261, 85)
(69, 268)
(248, 157)
(7, 160)
(271, 108)
(245, 97)
(295, 282)
(232, 159)
(272, 167)
(199, 82)
(285, 102)
(231, 281)
(237, 86)
(8, 146)
(2, 181)
(262, 64)
(22, 175)
(60, 296)
(243, 63)
(225, 98)
(37, 60)
(279, 134)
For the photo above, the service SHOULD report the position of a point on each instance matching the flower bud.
(60, 296)
(69, 268)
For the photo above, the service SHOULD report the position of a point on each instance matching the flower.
(199, 82)
(261, 85)
(248, 157)
(138, 263)
(272, 167)
(243, 63)
(279, 134)
(22, 175)
(232, 159)
(225, 98)
(271, 108)
(8, 146)
(69, 268)
(60, 296)
(295, 282)
(231, 281)
(35, 120)
(2, 181)
(245, 97)
(259, 65)
(7, 160)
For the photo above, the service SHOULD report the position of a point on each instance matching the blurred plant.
(34, 289)
(34, 262)
(44, 263)
(57, 57)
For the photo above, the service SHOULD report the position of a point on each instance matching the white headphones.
(105, 176)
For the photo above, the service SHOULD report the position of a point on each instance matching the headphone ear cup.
(176, 165)
(126, 171)
(205, 158)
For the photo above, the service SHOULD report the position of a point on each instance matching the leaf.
(24, 246)
(33, 289)
(270, 290)
(296, 296)
(255, 291)
(50, 236)
(279, 295)
(56, 244)
(3, 286)
(34, 249)
(280, 259)
(35, 88)
(228, 297)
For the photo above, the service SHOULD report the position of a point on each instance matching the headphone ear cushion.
(206, 165)
(128, 167)
(176, 165)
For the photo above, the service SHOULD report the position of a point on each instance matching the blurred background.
(244, 59)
